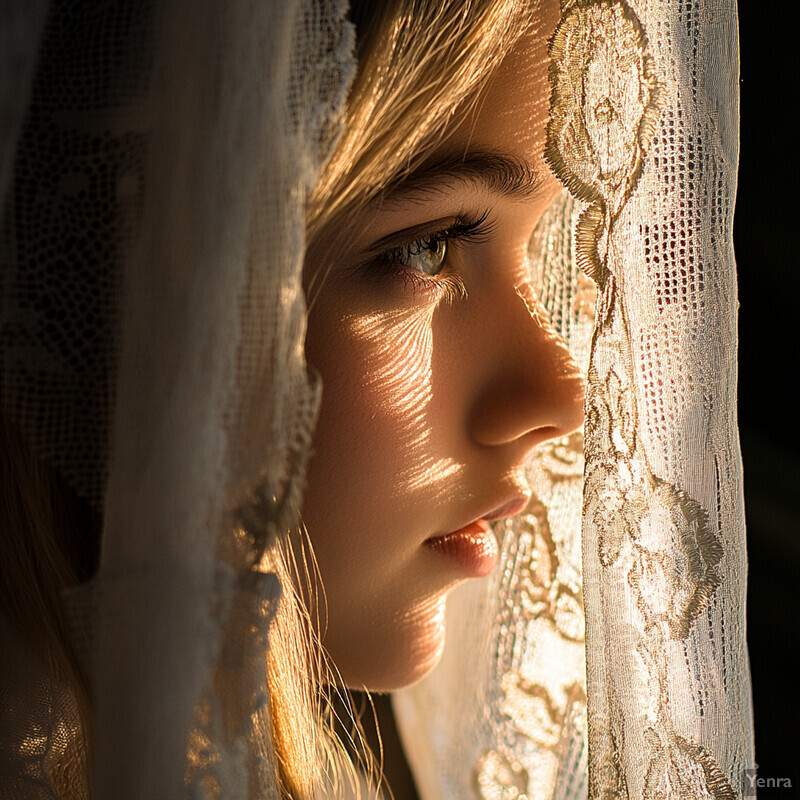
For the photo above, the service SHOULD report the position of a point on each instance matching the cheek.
(371, 433)
(367, 506)
(377, 376)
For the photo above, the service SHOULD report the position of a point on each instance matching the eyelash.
(447, 285)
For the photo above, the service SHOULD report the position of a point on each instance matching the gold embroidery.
(540, 679)
(535, 712)
(679, 763)
(543, 595)
(603, 110)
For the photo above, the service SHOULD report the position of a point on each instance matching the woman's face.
(439, 376)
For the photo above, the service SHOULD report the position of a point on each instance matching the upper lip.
(506, 508)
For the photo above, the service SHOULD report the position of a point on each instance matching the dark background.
(764, 235)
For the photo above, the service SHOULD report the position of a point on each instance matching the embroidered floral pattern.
(658, 556)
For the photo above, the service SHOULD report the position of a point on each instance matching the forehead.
(510, 113)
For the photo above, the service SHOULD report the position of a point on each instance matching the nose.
(533, 389)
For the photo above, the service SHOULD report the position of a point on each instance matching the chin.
(386, 656)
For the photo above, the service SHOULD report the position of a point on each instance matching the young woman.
(199, 227)
(440, 371)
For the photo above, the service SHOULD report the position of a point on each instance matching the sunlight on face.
(399, 374)
(440, 375)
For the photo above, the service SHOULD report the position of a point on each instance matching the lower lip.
(473, 549)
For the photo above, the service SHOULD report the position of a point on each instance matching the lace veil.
(155, 162)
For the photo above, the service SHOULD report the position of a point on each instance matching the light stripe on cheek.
(398, 375)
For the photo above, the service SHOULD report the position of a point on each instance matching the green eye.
(426, 255)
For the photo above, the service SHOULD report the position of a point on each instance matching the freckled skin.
(430, 408)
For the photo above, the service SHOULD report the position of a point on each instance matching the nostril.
(548, 432)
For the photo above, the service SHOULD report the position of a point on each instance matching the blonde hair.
(49, 542)
(418, 63)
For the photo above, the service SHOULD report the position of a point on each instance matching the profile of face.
(440, 374)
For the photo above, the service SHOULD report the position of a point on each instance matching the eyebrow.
(504, 174)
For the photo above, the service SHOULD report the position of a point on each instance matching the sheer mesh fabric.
(155, 162)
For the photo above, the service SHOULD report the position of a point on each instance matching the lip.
(508, 508)
(474, 548)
